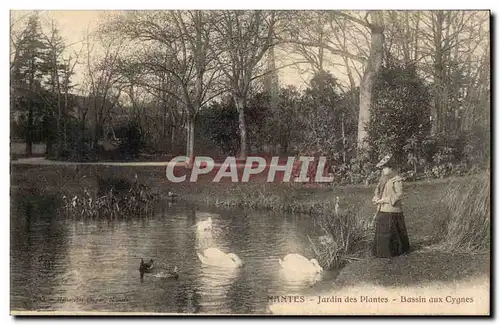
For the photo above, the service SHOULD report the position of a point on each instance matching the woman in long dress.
(391, 237)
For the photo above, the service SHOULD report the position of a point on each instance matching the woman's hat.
(384, 161)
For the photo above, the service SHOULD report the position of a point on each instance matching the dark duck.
(146, 267)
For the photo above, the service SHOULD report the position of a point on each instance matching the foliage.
(218, 123)
(258, 112)
(400, 114)
(39, 77)
(321, 116)
(78, 146)
(285, 121)
(132, 143)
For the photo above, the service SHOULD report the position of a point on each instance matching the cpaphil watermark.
(296, 169)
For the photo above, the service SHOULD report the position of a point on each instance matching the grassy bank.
(436, 230)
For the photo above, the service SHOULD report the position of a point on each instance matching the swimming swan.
(205, 225)
(299, 264)
(215, 257)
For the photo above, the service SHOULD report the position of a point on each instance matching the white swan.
(300, 265)
(215, 257)
(205, 225)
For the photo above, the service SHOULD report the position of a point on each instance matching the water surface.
(62, 264)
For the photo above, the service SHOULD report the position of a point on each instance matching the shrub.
(468, 227)
(218, 125)
(400, 111)
(133, 142)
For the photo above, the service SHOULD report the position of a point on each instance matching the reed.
(468, 226)
(346, 237)
(114, 199)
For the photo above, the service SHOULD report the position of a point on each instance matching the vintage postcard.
(250, 162)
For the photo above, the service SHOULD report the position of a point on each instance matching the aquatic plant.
(346, 237)
(136, 199)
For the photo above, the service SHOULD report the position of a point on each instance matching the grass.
(258, 196)
(417, 268)
(469, 224)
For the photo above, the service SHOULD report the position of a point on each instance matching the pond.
(68, 265)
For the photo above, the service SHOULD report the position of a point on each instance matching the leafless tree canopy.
(165, 67)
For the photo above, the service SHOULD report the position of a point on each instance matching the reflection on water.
(214, 284)
(70, 265)
(297, 282)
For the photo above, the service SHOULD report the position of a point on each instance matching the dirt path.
(41, 161)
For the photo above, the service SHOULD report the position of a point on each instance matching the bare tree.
(103, 81)
(344, 33)
(373, 66)
(453, 44)
(176, 43)
(59, 69)
(69, 63)
(243, 37)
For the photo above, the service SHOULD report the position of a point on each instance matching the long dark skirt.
(391, 237)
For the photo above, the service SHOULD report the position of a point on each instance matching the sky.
(73, 27)
(75, 24)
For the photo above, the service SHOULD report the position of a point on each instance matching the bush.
(400, 114)
(76, 145)
(218, 125)
(468, 227)
(325, 118)
(132, 143)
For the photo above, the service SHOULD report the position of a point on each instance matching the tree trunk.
(240, 105)
(58, 125)
(29, 128)
(59, 113)
(47, 127)
(415, 55)
(65, 119)
(81, 141)
(367, 82)
(414, 162)
(344, 141)
(352, 85)
(164, 122)
(95, 140)
(190, 136)
(436, 108)
(172, 137)
(407, 37)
